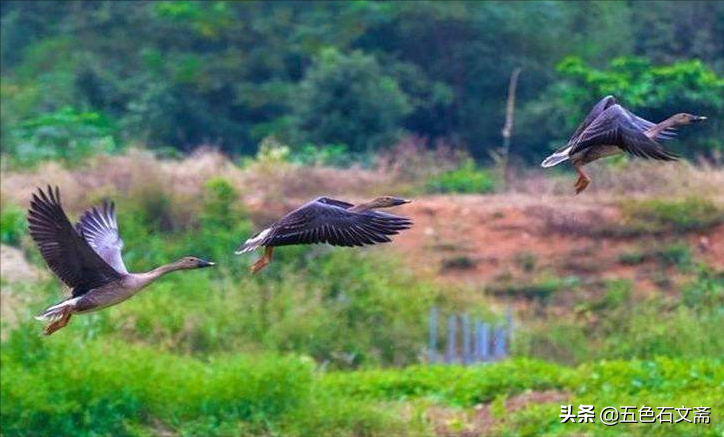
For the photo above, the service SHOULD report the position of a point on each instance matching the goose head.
(684, 118)
(388, 201)
(191, 262)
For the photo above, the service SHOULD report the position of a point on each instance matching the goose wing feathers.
(600, 107)
(618, 127)
(326, 220)
(99, 227)
(644, 125)
(65, 251)
(597, 109)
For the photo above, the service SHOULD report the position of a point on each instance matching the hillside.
(513, 244)
(490, 239)
(599, 284)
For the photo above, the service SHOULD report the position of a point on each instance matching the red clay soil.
(483, 239)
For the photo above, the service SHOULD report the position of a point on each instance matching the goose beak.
(698, 118)
(402, 201)
(203, 263)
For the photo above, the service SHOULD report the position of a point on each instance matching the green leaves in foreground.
(98, 387)
(61, 386)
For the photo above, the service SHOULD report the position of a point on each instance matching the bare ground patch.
(480, 421)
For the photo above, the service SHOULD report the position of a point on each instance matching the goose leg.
(583, 180)
(263, 261)
(58, 324)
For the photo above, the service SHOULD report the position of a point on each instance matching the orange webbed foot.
(57, 325)
(582, 183)
(258, 265)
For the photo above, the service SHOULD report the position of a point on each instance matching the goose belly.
(594, 153)
(103, 297)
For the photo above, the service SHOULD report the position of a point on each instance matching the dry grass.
(15, 268)
(398, 171)
(634, 178)
(17, 274)
(411, 162)
(473, 238)
(139, 174)
(580, 221)
(267, 186)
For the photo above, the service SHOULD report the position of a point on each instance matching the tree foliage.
(348, 99)
(652, 91)
(183, 73)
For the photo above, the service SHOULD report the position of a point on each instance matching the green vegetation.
(354, 73)
(454, 385)
(526, 261)
(461, 262)
(621, 326)
(97, 386)
(541, 287)
(65, 135)
(107, 387)
(465, 179)
(301, 349)
(648, 88)
(632, 258)
(678, 255)
(667, 216)
(349, 99)
(706, 294)
(12, 225)
(330, 341)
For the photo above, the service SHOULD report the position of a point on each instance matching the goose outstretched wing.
(600, 107)
(618, 127)
(597, 110)
(99, 227)
(327, 220)
(65, 251)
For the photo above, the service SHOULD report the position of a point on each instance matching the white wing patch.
(556, 158)
(253, 243)
(53, 313)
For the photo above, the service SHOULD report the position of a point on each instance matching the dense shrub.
(335, 155)
(706, 293)
(541, 287)
(82, 387)
(75, 387)
(664, 215)
(456, 385)
(467, 386)
(466, 179)
(12, 225)
(67, 135)
(349, 98)
(655, 383)
(619, 326)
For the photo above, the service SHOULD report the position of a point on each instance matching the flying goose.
(87, 258)
(610, 129)
(332, 221)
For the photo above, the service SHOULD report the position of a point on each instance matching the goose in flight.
(87, 258)
(610, 129)
(327, 220)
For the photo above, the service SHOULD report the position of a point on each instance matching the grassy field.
(331, 341)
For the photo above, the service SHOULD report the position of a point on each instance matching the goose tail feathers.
(253, 242)
(556, 158)
(58, 311)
